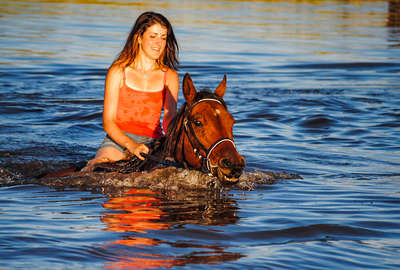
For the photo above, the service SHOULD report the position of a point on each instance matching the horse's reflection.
(139, 212)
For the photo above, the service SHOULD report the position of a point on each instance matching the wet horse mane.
(175, 127)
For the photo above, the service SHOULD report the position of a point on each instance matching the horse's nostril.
(226, 162)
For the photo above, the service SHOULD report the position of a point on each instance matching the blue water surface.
(314, 88)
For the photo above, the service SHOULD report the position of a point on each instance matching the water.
(314, 88)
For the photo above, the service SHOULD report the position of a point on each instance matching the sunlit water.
(314, 88)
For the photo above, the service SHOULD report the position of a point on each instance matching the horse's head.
(208, 141)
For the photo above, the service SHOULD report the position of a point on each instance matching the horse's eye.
(197, 123)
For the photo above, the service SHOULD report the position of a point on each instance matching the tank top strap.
(165, 78)
(124, 76)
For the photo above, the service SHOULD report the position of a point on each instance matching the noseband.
(197, 145)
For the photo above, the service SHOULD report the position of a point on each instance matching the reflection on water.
(393, 22)
(60, 31)
(139, 211)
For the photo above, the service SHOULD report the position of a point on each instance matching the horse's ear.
(189, 91)
(220, 91)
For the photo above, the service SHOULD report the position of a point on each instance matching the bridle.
(206, 165)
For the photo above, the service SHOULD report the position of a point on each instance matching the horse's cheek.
(190, 157)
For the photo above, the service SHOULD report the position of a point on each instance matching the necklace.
(146, 73)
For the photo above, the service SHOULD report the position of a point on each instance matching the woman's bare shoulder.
(115, 70)
(172, 75)
(114, 77)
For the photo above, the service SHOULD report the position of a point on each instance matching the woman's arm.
(171, 97)
(111, 94)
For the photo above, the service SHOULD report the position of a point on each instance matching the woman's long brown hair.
(131, 49)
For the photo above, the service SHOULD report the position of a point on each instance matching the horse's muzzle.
(229, 169)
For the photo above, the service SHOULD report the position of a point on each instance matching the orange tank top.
(139, 112)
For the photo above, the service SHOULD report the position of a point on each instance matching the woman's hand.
(137, 149)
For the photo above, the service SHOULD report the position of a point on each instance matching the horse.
(199, 137)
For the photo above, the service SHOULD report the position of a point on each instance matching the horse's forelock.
(203, 94)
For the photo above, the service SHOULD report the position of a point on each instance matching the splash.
(169, 179)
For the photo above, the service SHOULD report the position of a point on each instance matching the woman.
(139, 84)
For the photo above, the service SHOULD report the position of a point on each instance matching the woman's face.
(153, 41)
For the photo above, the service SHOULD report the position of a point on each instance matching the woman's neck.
(144, 64)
